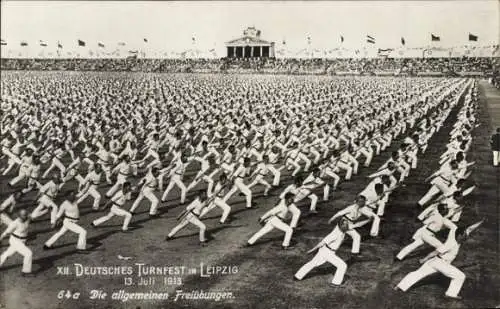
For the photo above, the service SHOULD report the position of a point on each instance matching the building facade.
(250, 46)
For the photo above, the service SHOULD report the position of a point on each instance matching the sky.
(170, 26)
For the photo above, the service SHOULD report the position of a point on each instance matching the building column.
(252, 52)
(260, 47)
(243, 52)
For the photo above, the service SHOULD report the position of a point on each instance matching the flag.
(193, 39)
(370, 39)
(81, 43)
(284, 42)
(121, 44)
(341, 39)
(309, 40)
(435, 38)
(2, 42)
(43, 44)
(99, 44)
(145, 40)
(472, 37)
(495, 49)
(384, 52)
(403, 42)
(133, 52)
(23, 43)
(59, 45)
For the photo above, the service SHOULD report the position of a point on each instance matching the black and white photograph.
(250, 154)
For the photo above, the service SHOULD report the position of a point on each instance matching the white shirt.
(18, 228)
(70, 210)
(449, 250)
(334, 239)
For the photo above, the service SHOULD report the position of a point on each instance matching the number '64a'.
(67, 294)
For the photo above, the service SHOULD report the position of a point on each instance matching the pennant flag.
(23, 43)
(145, 40)
(2, 42)
(308, 40)
(81, 43)
(43, 44)
(121, 44)
(370, 39)
(435, 38)
(99, 44)
(133, 52)
(341, 39)
(59, 45)
(472, 37)
(403, 42)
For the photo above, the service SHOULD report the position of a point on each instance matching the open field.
(264, 276)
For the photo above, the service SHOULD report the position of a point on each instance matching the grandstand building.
(250, 46)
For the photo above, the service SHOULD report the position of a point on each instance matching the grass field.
(265, 272)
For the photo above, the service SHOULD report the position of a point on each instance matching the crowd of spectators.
(387, 66)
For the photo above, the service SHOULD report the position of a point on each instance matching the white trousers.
(432, 266)
(324, 255)
(496, 157)
(115, 211)
(190, 218)
(259, 179)
(422, 236)
(55, 163)
(239, 185)
(70, 225)
(120, 180)
(43, 203)
(272, 223)
(276, 173)
(92, 191)
(148, 194)
(218, 202)
(17, 245)
(175, 180)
